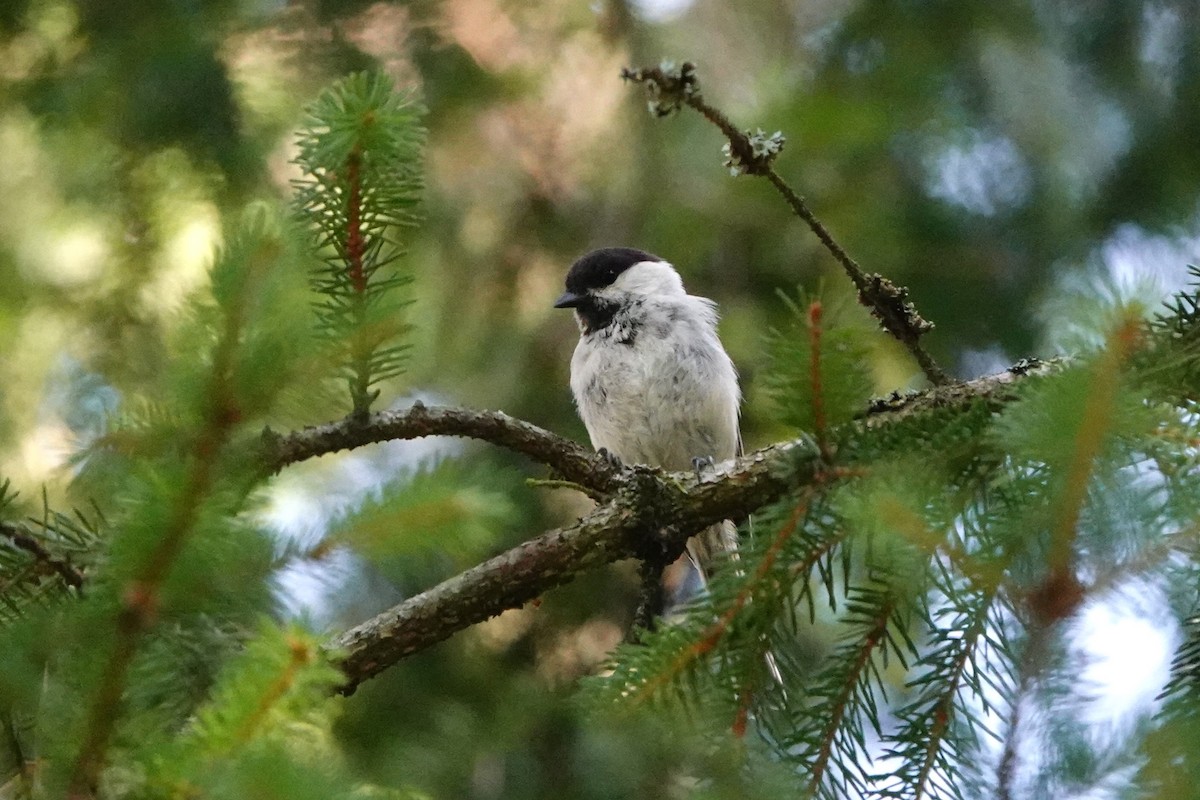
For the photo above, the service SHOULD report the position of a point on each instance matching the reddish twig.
(874, 637)
(354, 237)
(741, 717)
(138, 612)
(302, 654)
(820, 424)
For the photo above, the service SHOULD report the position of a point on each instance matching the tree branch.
(670, 88)
(570, 460)
(649, 510)
(21, 540)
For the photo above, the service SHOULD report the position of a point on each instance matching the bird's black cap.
(600, 268)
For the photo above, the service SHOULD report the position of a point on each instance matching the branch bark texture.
(570, 460)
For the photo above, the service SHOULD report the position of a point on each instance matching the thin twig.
(816, 384)
(23, 541)
(1029, 668)
(670, 89)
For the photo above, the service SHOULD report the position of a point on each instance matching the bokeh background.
(1004, 160)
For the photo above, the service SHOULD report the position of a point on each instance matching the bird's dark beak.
(568, 300)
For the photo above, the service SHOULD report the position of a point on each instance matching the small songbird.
(651, 380)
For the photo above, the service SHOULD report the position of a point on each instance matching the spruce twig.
(713, 634)
(820, 421)
(360, 151)
(140, 596)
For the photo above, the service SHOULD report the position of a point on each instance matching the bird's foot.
(610, 457)
(702, 464)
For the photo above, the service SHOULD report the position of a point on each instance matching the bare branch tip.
(668, 86)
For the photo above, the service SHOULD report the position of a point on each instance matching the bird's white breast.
(667, 396)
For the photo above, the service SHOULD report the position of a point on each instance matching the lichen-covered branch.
(670, 88)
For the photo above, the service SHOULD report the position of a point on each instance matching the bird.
(651, 380)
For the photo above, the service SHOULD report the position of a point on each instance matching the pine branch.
(670, 88)
(237, 269)
(140, 598)
(847, 687)
(929, 751)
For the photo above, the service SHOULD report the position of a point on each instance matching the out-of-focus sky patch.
(1049, 106)
(1161, 47)
(1131, 256)
(304, 587)
(973, 363)
(1126, 640)
(1119, 650)
(303, 502)
(1131, 265)
(660, 10)
(979, 173)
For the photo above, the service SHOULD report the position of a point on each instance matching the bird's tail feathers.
(717, 542)
(714, 543)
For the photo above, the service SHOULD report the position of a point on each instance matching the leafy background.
(1013, 163)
